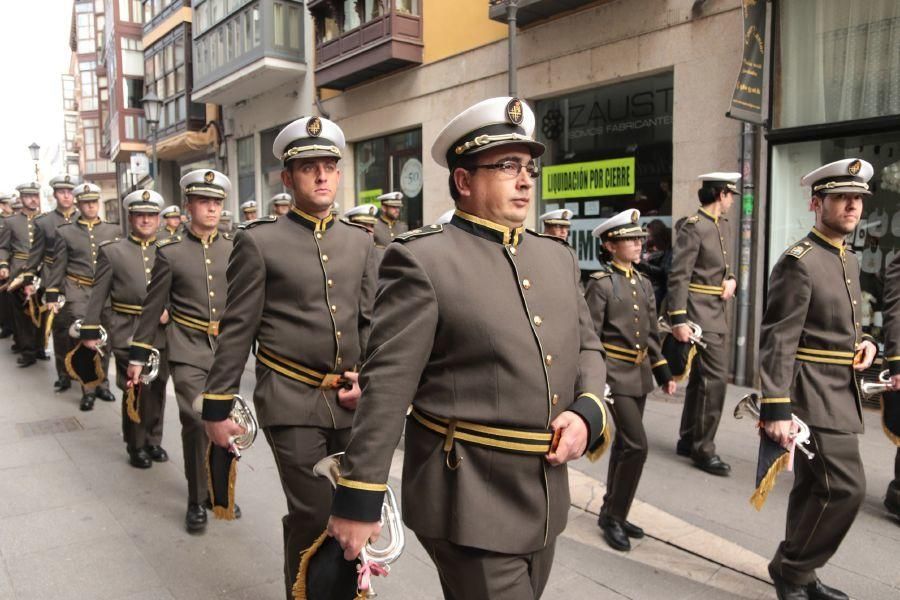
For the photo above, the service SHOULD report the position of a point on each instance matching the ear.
(287, 178)
(461, 179)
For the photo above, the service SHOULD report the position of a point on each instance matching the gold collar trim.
(510, 237)
(705, 212)
(140, 242)
(839, 247)
(311, 222)
(626, 272)
(208, 240)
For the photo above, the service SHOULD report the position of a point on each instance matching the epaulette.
(107, 242)
(600, 274)
(255, 222)
(549, 237)
(417, 233)
(692, 219)
(799, 250)
(228, 235)
(166, 242)
(349, 222)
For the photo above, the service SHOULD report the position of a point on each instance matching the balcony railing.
(378, 45)
(534, 11)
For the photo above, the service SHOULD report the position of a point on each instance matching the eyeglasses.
(512, 168)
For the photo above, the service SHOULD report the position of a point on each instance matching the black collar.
(191, 235)
(140, 242)
(310, 222)
(818, 238)
(487, 229)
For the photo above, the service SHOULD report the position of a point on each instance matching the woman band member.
(623, 308)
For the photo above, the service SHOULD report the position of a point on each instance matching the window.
(410, 7)
(130, 10)
(389, 163)
(287, 25)
(132, 57)
(84, 24)
(371, 9)
(228, 41)
(88, 81)
(165, 73)
(351, 17)
(132, 92)
(246, 169)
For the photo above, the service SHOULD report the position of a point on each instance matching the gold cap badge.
(314, 126)
(514, 111)
(209, 176)
(145, 196)
(854, 167)
(634, 216)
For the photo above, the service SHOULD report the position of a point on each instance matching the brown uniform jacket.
(122, 276)
(700, 265)
(188, 279)
(74, 260)
(478, 323)
(810, 332)
(623, 309)
(17, 239)
(892, 316)
(386, 230)
(48, 223)
(303, 289)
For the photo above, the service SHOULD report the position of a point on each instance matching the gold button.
(633, 282)
(206, 246)
(549, 359)
(722, 238)
(637, 333)
(555, 399)
(209, 262)
(318, 235)
(337, 334)
(333, 308)
(146, 258)
(146, 270)
(214, 311)
(633, 292)
(526, 284)
(636, 319)
(339, 361)
(512, 250)
(724, 252)
(330, 283)
(636, 307)
(92, 236)
(538, 320)
(209, 277)
(212, 294)
(324, 258)
(848, 281)
(854, 302)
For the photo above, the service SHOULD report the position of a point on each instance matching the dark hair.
(709, 194)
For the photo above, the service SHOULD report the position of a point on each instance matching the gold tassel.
(594, 455)
(98, 368)
(299, 588)
(131, 406)
(765, 486)
(32, 311)
(224, 513)
(687, 367)
(49, 324)
(890, 434)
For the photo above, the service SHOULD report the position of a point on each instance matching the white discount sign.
(411, 178)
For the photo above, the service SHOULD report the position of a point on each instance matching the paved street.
(76, 522)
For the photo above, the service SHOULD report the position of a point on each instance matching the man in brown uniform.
(72, 273)
(188, 280)
(19, 265)
(389, 225)
(172, 225)
(810, 344)
(302, 287)
(623, 309)
(701, 283)
(557, 223)
(480, 328)
(64, 213)
(6, 317)
(121, 278)
(891, 331)
(248, 211)
(281, 204)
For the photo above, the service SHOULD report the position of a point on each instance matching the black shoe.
(15, 348)
(632, 530)
(819, 591)
(139, 459)
(62, 384)
(104, 394)
(237, 509)
(87, 402)
(26, 361)
(42, 354)
(5, 333)
(195, 518)
(892, 506)
(683, 447)
(157, 453)
(713, 465)
(786, 590)
(614, 534)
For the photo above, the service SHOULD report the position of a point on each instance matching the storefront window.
(392, 164)
(837, 61)
(876, 240)
(609, 149)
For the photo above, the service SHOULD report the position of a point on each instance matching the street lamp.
(152, 107)
(35, 156)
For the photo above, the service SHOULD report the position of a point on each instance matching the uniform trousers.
(627, 455)
(705, 396)
(297, 449)
(475, 574)
(62, 344)
(6, 317)
(892, 498)
(152, 405)
(189, 382)
(27, 335)
(828, 491)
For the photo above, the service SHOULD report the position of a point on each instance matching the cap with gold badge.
(249, 205)
(6, 198)
(87, 192)
(282, 199)
(625, 225)
(170, 211)
(394, 199)
(720, 179)
(561, 216)
(143, 201)
(364, 213)
(32, 187)
(206, 183)
(309, 137)
(63, 182)
(488, 124)
(847, 176)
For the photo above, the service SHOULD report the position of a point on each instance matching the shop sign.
(369, 197)
(751, 87)
(613, 177)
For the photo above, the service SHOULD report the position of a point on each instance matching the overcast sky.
(34, 46)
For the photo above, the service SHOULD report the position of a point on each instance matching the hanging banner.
(751, 90)
(613, 177)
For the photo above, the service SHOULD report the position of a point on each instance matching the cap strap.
(485, 139)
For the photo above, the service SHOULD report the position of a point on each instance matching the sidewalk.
(77, 522)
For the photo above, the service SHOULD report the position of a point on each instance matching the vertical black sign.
(748, 103)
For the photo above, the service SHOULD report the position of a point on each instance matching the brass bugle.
(873, 388)
(748, 406)
(152, 367)
(696, 335)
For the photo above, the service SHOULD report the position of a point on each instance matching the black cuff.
(89, 332)
(775, 409)
(217, 407)
(357, 504)
(662, 373)
(678, 319)
(893, 366)
(51, 296)
(592, 409)
(139, 354)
